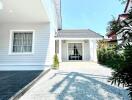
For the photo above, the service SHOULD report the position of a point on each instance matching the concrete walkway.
(76, 81)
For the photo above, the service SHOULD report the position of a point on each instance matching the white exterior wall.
(54, 24)
(44, 44)
(43, 47)
(64, 51)
(86, 51)
(51, 12)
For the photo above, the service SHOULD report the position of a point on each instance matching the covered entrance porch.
(76, 49)
(76, 45)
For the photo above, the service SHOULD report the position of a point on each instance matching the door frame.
(82, 42)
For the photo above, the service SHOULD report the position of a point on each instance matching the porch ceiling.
(24, 11)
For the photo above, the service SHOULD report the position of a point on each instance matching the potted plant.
(55, 62)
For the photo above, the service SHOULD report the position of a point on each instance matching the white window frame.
(11, 42)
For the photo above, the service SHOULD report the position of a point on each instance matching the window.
(22, 42)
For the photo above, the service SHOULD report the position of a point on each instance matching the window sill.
(21, 53)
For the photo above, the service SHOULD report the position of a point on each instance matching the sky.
(89, 14)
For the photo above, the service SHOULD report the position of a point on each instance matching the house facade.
(27, 29)
(29, 36)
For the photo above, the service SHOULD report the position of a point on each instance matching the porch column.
(60, 50)
(93, 50)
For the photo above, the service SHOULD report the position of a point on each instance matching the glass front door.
(75, 51)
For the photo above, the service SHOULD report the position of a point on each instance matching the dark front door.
(75, 51)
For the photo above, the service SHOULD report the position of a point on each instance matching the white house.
(29, 36)
(27, 29)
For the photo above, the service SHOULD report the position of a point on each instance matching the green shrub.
(101, 55)
(115, 60)
(55, 62)
(120, 63)
(110, 58)
(123, 74)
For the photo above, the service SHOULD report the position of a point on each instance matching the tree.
(123, 1)
(124, 73)
(113, 26)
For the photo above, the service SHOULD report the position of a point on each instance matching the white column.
(91, 49)
(95, 51)
(60, 51)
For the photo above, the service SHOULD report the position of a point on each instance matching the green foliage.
(113, 26)
(122, 63)
(124, 74)
(55, 62)
(130, 14)
(123, 1)
(110, 58)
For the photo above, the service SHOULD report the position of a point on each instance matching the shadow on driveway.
(80, 86)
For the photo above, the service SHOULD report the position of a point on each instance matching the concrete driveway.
(76, 81)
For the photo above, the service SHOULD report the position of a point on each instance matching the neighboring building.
(113, 36)
(29, 30)
(111, 42)
(106, 43)
(123, 20)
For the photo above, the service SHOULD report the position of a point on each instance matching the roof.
(78, 33)
(110, 34)
(122, 16)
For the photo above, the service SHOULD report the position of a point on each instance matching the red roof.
(123, 16)
(111, 34)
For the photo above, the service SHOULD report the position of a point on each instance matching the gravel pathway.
(76, 81)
